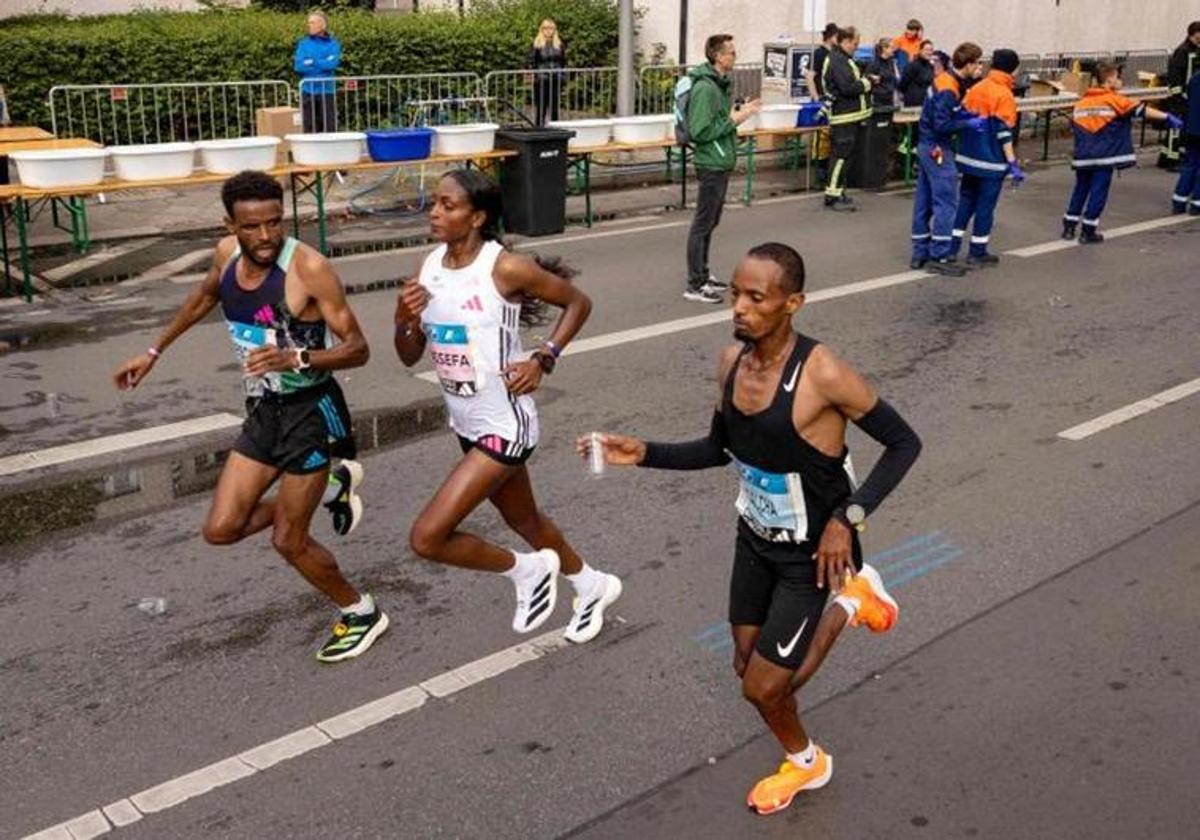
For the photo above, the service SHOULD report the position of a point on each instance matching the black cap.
(1006, 61)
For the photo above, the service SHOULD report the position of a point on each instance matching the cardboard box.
(1075, 82)
(1044, 87)
(277, 122)
(1147, 79)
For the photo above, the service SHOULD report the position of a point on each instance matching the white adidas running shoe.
(537, 596)
(588, 620)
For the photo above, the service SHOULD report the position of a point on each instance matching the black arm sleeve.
(901, 448)
(697, 454)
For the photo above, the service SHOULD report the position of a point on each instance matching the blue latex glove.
(1174, 123)
(1014, 169)
(977, 123)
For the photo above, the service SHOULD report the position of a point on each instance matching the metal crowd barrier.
(163, 113)
(357, 103)
(656, 85)
(571, 93)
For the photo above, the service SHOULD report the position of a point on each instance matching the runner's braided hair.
(484, 194)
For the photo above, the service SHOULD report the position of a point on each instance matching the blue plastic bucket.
(388, 144)
(810, 115)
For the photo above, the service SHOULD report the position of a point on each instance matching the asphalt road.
(1039, 680)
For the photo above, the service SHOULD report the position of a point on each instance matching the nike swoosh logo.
(785, 652)
(791, 383)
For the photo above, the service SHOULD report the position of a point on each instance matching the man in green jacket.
(712, 124)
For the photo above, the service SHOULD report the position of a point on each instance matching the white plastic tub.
(153, 161)
(648, 128)
(226, 157)
(468, 139)
(327, 149)
(48, 168)
(746, 126)
(588, 133)
(778, 116)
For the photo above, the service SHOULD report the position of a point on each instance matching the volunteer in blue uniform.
(936, 199)
(1187, 189)
(1102, 122)
(318, 56)
(985, 158)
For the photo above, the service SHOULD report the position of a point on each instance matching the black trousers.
(319, 112)
(843, 141)
(547, 90)
(714, 183)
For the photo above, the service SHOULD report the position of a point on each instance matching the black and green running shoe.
(352, 635)
(346, 507)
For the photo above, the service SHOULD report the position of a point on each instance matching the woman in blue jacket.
(318, 55)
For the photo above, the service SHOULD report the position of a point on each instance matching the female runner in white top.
(465, 308)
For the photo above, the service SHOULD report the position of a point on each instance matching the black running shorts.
(498, 449)
(774, 587)
(298, 433)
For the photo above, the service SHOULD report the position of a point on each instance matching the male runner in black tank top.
(278, 317)
(783, 404)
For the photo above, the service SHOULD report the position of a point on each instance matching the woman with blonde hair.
(547, 58)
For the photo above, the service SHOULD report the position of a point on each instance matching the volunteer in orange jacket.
(1103, 126)
(908, 43)
(985, 158)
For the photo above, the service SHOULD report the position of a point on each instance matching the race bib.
(247, 338)
(772, 503)
(450, 350)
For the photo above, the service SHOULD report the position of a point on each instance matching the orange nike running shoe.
(776, 792)
(876, 608)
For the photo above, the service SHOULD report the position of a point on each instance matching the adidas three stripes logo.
(541, 599)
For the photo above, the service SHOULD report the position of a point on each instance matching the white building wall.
(1029, 26)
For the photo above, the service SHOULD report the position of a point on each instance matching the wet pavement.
(1030, 688)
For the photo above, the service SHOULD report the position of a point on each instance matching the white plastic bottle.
(596, 462)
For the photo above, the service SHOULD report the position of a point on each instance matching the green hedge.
(37, 53)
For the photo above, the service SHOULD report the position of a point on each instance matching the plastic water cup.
(596, 462)
(153, 606)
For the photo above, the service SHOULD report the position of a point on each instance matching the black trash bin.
(872, 157)
(534, 183)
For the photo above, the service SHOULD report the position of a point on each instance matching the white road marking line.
(184, 279)
(1128, 412)
(721, 315)
(367, 715)
(1114, 233)
(281, 749)
(169, 268)
(606, 233)
(115, 443)
(196, 783)
(468, 675)
(125, 301)
(113, 252)
(122, 812)
(199, 782)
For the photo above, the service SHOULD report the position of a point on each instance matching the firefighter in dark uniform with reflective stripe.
(1187, 189)
(1184, 62)
(847, 104)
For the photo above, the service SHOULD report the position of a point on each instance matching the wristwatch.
(545, 359)
(303, 359)
(852, 515)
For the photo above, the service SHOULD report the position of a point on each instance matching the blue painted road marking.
(899, 565)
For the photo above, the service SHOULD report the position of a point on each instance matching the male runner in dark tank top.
(783, 403)
(283, 306)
